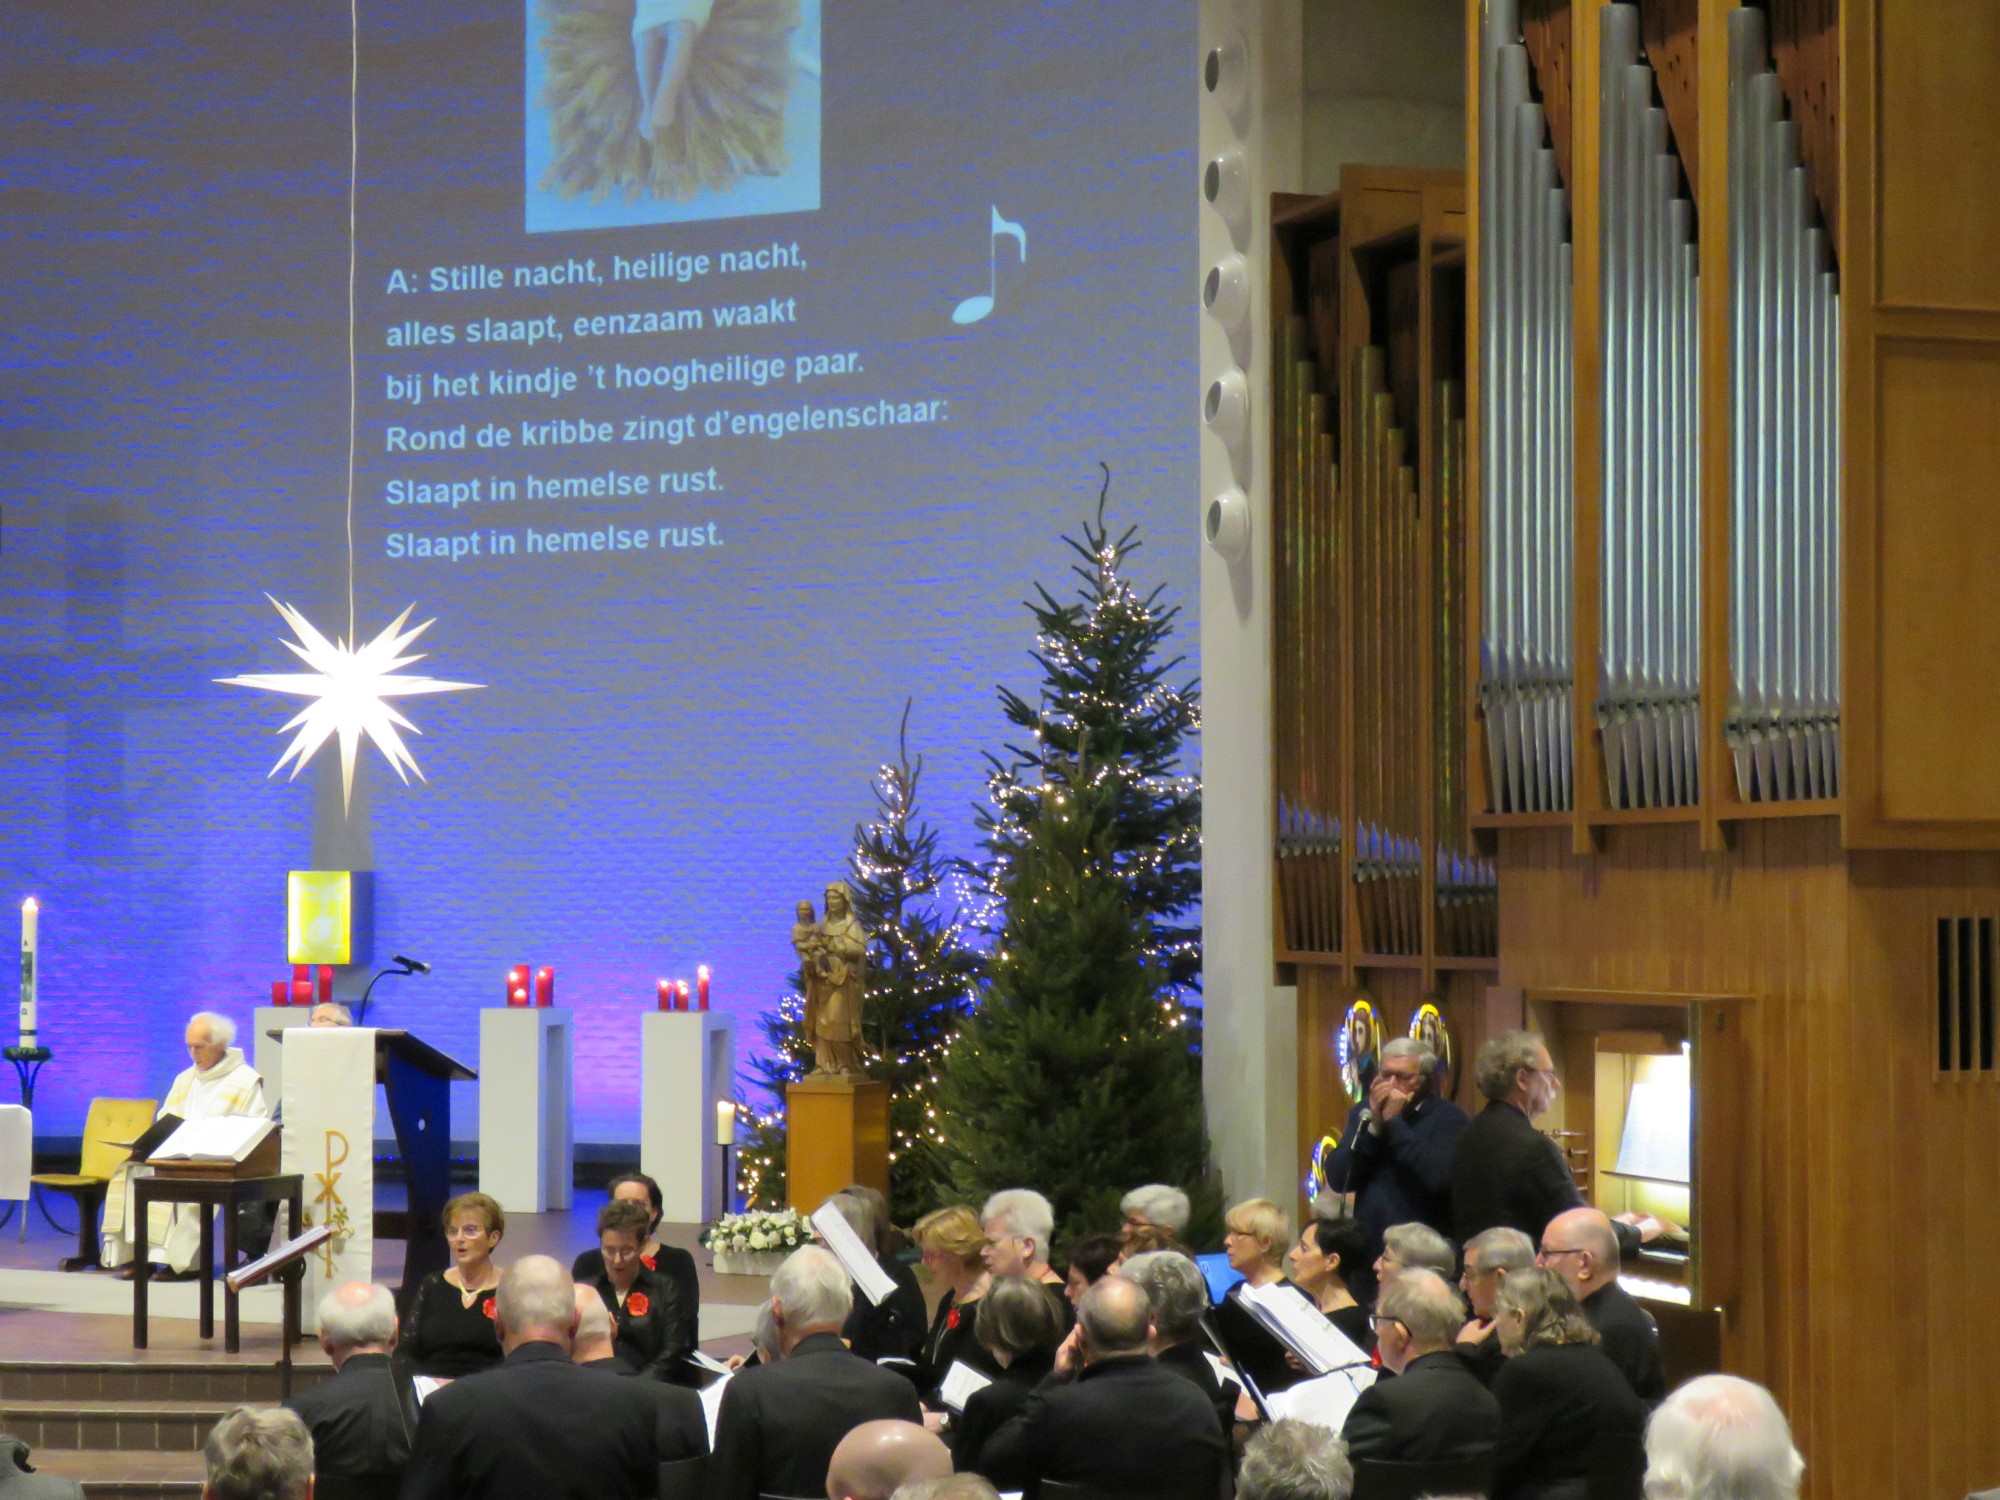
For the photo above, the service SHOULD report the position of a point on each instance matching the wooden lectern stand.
(418, 1079)
(836, 1134)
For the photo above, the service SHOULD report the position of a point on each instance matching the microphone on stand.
(398, 964)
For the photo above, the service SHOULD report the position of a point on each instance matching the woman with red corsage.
(951, 1241)
(644, 1305)
(449, 1330)
(675, 1264)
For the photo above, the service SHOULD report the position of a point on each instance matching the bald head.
(594, 1337)
(1116, 1316)
(877, 1458)
(1581, 1247)
(536, 1304)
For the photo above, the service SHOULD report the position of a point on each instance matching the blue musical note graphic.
(973, 309)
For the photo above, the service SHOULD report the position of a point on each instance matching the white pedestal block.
(17, 1159)
(268, 1056)
(687, 1062)
(527, 1136)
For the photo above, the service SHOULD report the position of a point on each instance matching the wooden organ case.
(1708, 707)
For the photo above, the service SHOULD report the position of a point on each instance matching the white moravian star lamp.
(350, 688)
(350, 684)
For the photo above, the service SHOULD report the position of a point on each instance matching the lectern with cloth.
(329, 1110)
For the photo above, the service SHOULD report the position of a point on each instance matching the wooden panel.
(1667, 31)
(1939, 537)
(1805, 47)
(1937, 1149)
(1938, 152)
(1546, 26)
(1652, 915)
(1920, 122)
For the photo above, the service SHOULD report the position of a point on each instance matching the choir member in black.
(655, 1255)
(448, 1329)
(644, 1305)
(951, 1244)
(1021, 1327)
(1490, 1258)
(1178, 1295)
(1090, 1257)
(892, 1329)
(1328, 1251)
(1257, 1234)
(1557, 1391)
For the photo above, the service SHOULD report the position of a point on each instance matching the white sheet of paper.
(423, 1385)
(708, 1362)
(959, 1385)
(711, 1404)
(1325, 1402)
(1224, 1373)
(861, 1267)
(1302, 1328)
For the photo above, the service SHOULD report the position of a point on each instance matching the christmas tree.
(1102, 681)
(920, 975)
(1072, 1077)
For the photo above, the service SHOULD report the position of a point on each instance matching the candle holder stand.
(27, 1063)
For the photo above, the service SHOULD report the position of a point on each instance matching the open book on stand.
(226, 1141)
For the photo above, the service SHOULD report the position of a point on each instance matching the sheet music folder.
(155, 1137)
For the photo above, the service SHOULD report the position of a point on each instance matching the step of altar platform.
(225, 1383)
(128, 1475)
(115, 1426)
(133, 1429)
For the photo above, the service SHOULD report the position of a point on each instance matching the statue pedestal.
(836, 1133)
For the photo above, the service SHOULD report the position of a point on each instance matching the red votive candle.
(302, 992)
(682, 990)
(325, 983)
(666, 994)
(517, 997)
(280, 993)
(301, 973)
(701, 987)
(545, 986)
(517, 979)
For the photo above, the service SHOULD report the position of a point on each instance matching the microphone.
(415, 966)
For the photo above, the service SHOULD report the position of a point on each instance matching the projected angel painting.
(656, 111)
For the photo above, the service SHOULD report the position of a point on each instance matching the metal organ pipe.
(1783, 719)
(1650, 605)
(1527, 665)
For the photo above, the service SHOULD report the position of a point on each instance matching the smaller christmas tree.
(920, 981)
(1105, 681)
(1072, 1077)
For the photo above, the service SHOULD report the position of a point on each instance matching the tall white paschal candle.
(29, 918)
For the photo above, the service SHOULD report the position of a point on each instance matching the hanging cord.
(353, 182)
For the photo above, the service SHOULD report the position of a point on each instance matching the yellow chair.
(108, 1132)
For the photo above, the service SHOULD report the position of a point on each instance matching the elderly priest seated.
(217, 1082)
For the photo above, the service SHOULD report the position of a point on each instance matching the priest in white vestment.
(220, 1082)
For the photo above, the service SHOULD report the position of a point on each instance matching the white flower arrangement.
(759, 1231)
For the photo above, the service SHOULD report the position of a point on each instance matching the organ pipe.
(1783, 718)
(1648, 707)
(1527, 659)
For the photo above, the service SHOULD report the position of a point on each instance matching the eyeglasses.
(1377, 1323)
(1548, 1253)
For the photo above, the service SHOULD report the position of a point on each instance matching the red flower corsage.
(648, 1262)
(486, 1306)
(637, 1305)
(951, 1318)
